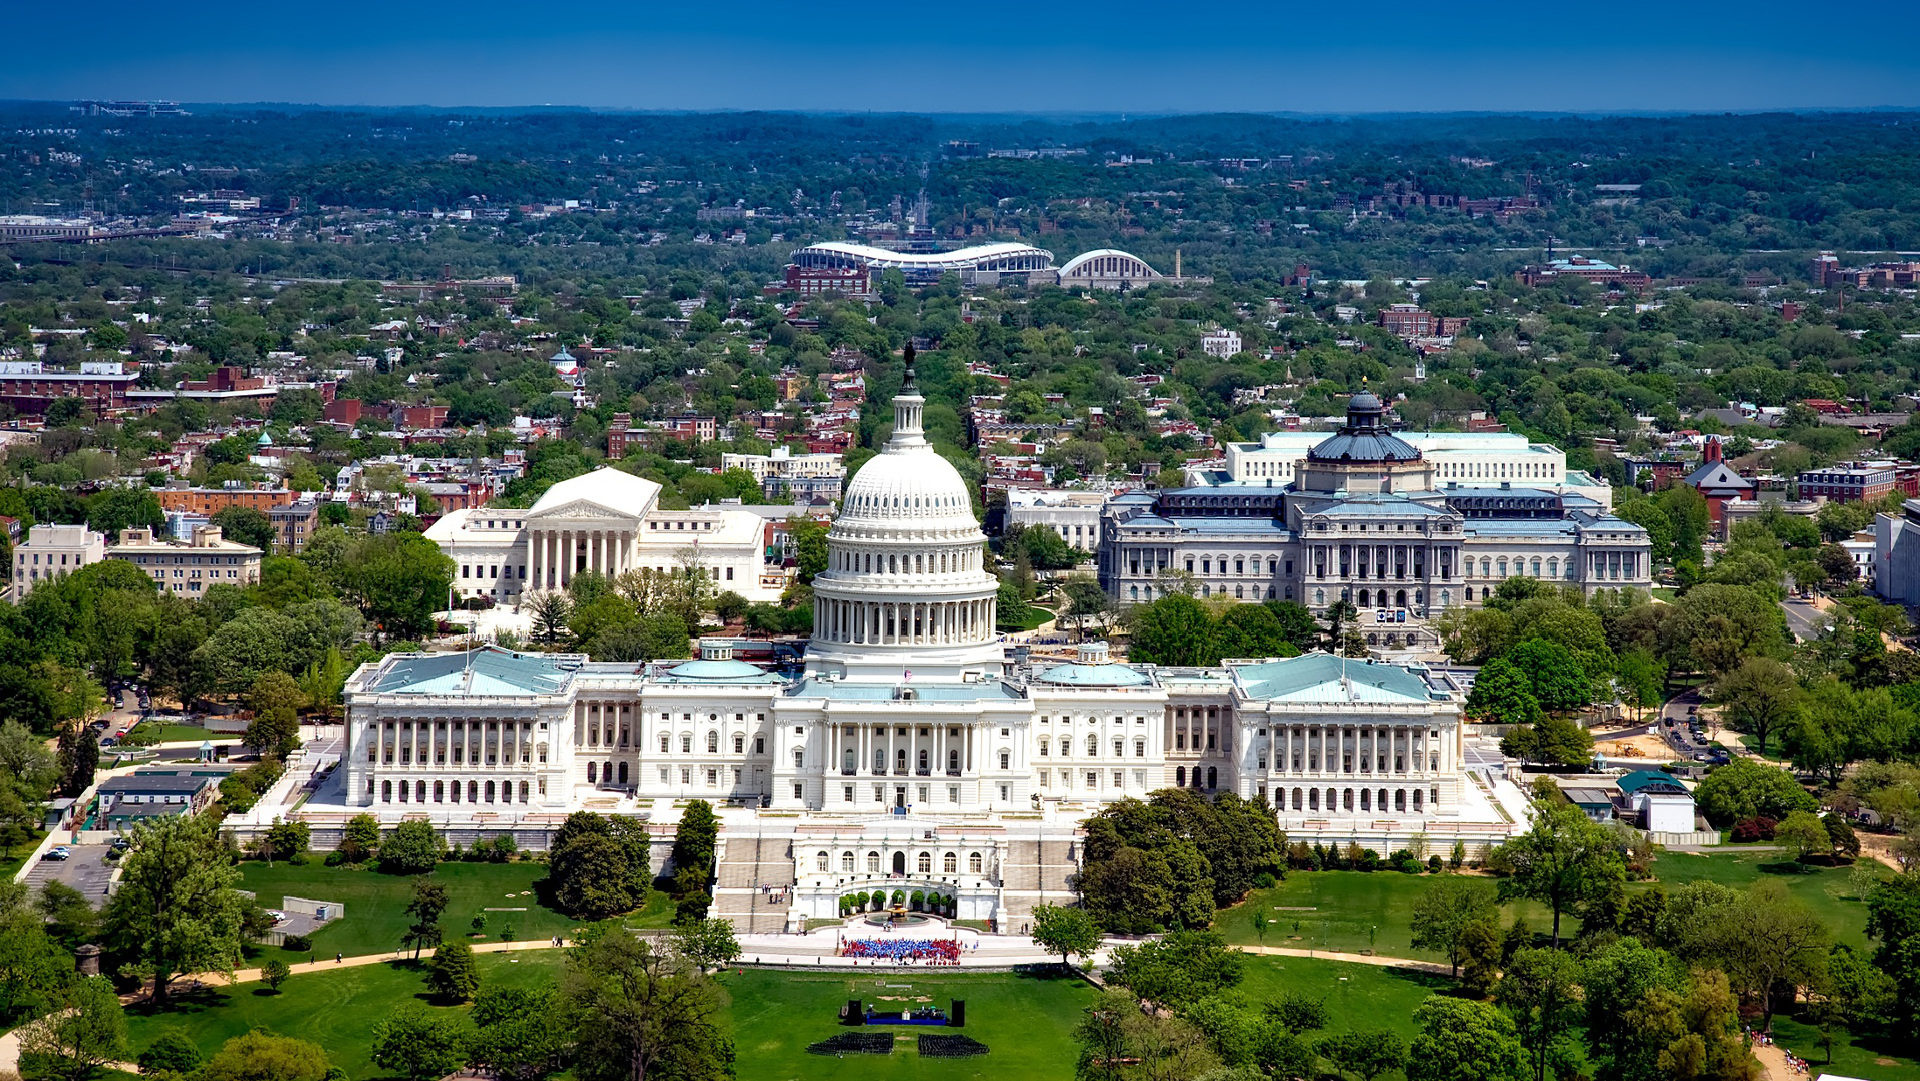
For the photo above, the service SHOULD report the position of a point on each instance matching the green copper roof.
(489, 670)
(1323, 677)
(1093, 675)
(719, 672)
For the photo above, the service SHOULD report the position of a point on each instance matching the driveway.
(88, 871)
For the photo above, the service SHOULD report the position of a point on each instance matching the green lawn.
(1869, 1059)
(1358, 997)
(1824, 888)
(1015, 621)
(376, 902)
(1348, 911)
(336, 1010)
(10, 863)
(1028, 1022)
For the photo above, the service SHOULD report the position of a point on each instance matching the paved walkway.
(1433, 967)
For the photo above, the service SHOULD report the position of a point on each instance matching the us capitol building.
(908, 753)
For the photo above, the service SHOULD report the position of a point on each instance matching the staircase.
(753, 882)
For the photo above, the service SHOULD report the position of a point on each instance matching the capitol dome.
(907, 592)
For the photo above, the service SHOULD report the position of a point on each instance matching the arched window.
(1553, 566)
(1066, 746)
(686, 744)
(950, 863)
(386, 791)
(1093, 746)
(439, 791)
(821, 860)
(1213, 777)
(973, 863)
(663, 743)
(924, 864)
(1179, 776)
(593, 772)
(489, 791)
(873, 863)
(1536, 566)
(713, 742)
(846, 862)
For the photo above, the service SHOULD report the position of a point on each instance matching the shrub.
(918, 900)
(1434, 864)
(297, 944)
(1265, 880)
(1755, 828)
(172, 1051)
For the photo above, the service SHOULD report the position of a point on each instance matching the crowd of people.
(1795, 1064)
(903, 951)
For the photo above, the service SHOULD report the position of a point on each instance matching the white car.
(58, 852)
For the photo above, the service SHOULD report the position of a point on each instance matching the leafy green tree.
(708, 943)
(1550, 739)
(451, 973)
(1805, 834)
(810, 546)
(1541, 992)
(117, 510)
(1365, 1054)
(288, 840)
(245, 525)
(87, 1031)
(695, 842)
(1178, 970)
(1555, 677)
(1761, 697)
(360, 839)
(1065, 931)
(1564, 860)
(273, 973)
(1175, 630)
(1502, 694)
(517, 1037)
(1459, 1040)
(428, 902)
(590, 871)
(34, 970)
(1745, 788)
(1252, 630)
(417, 1045)
(261, 1056)
(172, 1052)
(413, 848)
(1446, 909)
(637, 1011)
(176, 909)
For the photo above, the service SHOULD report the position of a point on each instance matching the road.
(1804, 620)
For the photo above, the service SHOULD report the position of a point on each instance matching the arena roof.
(962, 257)
(1144, 270)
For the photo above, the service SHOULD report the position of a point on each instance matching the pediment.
(582, 510)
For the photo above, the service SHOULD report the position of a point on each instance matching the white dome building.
(906, 594)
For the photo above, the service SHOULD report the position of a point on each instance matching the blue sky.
(1041, 55)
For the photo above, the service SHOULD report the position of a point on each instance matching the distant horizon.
(1121, 115)
(1120, 57)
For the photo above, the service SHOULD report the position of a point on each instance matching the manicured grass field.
(1850, 1059)
(1358, 997)
(376, 903)
(1348, 911)
(336, 1009)
(1028, 1022)
(1352, 911)
(1823, 888)
(10, 864)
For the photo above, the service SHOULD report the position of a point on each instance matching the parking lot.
(88, 871)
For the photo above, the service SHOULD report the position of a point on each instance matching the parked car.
(109, 741)
(58, 852)
(278, 917)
